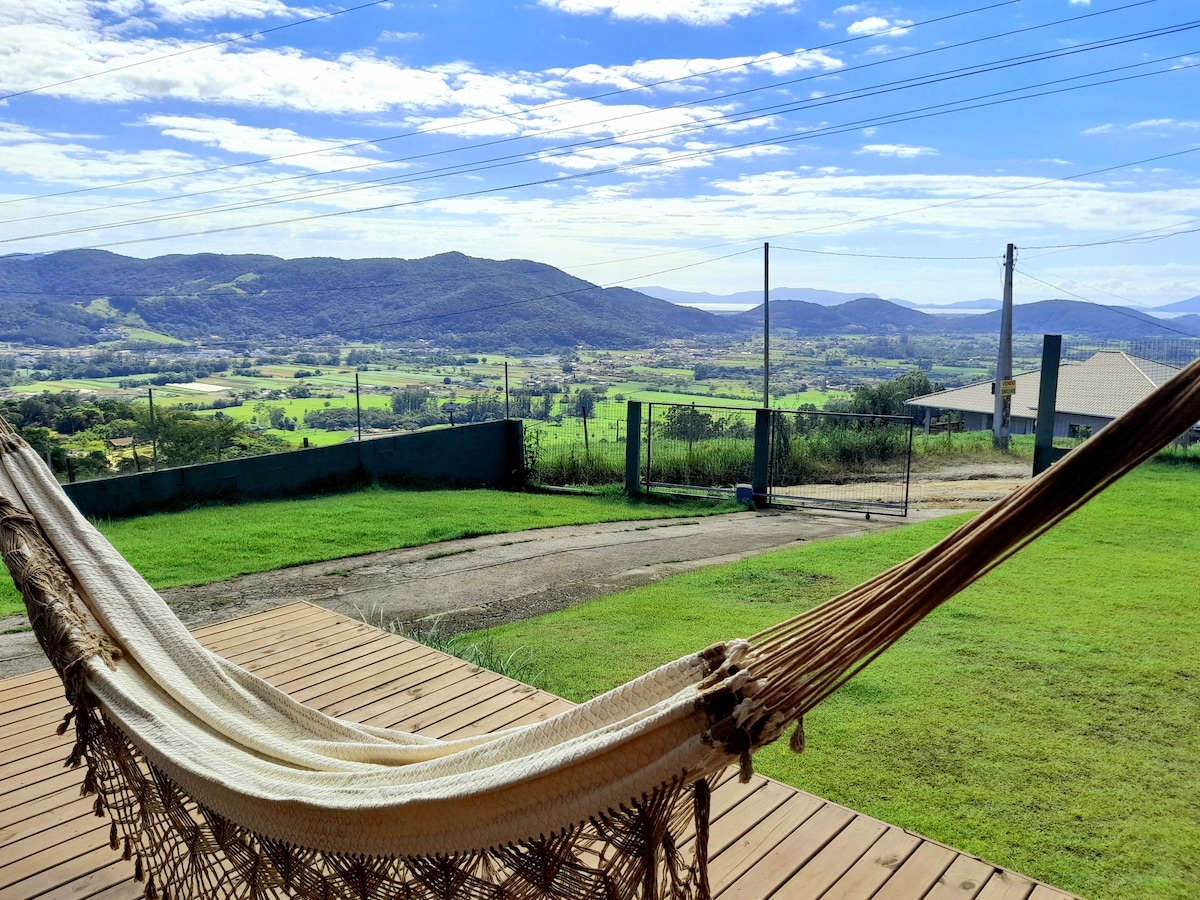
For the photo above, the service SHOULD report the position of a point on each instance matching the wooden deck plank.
(787, 857)
(832, 863)
(875, 867)
(917, 874)
(1045, 892)
(963, 880)
(1005, 885)
(766, 839)
(733, 861)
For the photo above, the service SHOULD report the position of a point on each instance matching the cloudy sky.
(626, 141)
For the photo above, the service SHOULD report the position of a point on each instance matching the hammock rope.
(220, 786)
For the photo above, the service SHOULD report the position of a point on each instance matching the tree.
(887, 398)
(686, 423)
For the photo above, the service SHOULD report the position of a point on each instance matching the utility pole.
(153, 429)
(1004, 387)
(766, 325)
(358, 407)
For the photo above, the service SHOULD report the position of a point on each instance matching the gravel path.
(476, 582)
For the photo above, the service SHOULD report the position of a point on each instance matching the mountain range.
(81, 297)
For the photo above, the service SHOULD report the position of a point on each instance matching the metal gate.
(693, 450)
(840, 461)
(812, 459)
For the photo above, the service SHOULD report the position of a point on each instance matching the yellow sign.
(1008, 387)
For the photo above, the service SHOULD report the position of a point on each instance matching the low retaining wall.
(483, 455)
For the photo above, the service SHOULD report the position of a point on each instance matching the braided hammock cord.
(219, 786)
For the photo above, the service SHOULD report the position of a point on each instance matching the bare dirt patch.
(476, 582)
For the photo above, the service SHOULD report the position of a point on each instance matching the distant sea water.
(729, 309)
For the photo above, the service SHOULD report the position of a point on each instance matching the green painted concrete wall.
(483, 455)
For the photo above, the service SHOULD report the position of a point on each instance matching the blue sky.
(626, 141)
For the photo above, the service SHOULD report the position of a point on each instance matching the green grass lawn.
(216, 542)
(1047, 719)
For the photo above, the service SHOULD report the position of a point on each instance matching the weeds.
(518, 664)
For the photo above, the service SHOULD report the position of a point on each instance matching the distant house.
(116, 444)
(1090, 395)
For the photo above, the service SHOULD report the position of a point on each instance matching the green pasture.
(145, 335)
(1045, 719)
(212, 543)
(790, 401)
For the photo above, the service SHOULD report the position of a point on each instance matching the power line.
(622, 91)
(894, 118)
(220, 43)
(880, 255)
(1138, 237)
(1149, 320)
(410, 320)
(740, 117)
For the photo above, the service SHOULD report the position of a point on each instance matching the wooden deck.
(767, 839)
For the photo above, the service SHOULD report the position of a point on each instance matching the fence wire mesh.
(693, 449)
(575, 440)
(1100, 380)
(841, 460)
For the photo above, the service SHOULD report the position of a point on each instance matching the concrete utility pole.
(358, 407)
(766, 325)
(153, 429)
(1005, 387)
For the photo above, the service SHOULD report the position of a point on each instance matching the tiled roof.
(1106, 385)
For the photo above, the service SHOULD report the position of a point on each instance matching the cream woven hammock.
(221, 786)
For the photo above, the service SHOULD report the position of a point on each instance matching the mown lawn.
(1047, 719)
(213, 543)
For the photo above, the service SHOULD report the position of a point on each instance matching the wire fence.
(1100, 380)
(573, 443)
(692, 449)
(841, 461)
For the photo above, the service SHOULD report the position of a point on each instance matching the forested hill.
(80, 296)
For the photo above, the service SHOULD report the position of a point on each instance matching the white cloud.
(1163, 124)
(1106, 128)
(1080, 2)
(878, 25)
(399, 35)
(659, 70)
(900, 151)
(848, 10)
(177, 11)
(689, 12)
(228, 135)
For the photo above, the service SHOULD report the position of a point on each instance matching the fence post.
(1044, 452)
(633, 448)
(762, 456)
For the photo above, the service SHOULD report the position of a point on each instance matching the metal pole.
(153, 429)
(1043, 443)
(506, 415)
(649, 440)
(1002, 408)
(358, 407)
(766, 325)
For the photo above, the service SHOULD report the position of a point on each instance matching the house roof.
(1104, 386)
